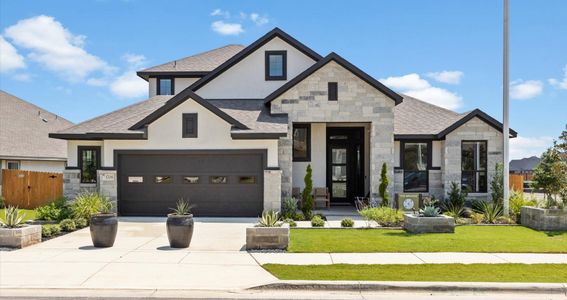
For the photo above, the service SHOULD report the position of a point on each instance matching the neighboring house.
(524, 167)
(24, 140)
(233, 130)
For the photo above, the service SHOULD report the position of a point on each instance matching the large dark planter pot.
(179, 230)
(103, 229)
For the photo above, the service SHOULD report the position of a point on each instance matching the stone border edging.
(413, 286)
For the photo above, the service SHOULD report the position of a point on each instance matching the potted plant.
(180, 225)
(429, 220)
(269, 233)
(16, 234)
(103, 224)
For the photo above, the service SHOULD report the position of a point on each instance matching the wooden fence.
(30, 189)
(516, 182)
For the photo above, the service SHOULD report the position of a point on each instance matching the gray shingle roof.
(254, 114)
(24, 130)
(201, 62)
(414, 116)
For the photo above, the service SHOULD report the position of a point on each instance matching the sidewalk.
(408, 258)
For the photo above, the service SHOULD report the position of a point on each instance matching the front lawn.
(465, 239)
(29, 213)
(427, 272)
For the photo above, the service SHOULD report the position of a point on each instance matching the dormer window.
(165, 86)
(276, 65)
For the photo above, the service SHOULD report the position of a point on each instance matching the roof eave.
(189, 74)
(481, 115)
(98, 136)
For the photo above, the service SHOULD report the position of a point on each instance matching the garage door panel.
(237, 197)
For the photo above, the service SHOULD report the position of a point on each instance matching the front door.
(345, 163)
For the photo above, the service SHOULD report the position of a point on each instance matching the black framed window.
(190, 127)
(13, 165)
(165, 86)
(333, 91)
(276, 65)
(474, 157)
(89, 162)
(301, 142)
(416, 159)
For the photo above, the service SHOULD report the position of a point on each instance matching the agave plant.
(269, 219)
(13, 217)
(182, 207)
(490, 211)
(430, 211)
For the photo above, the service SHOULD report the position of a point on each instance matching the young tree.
(497, 185)
(551, 176)
(382, 189)
(307, 196)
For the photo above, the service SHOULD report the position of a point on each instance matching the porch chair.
(321, 195)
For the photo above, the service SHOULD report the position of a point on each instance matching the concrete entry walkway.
(140, 258)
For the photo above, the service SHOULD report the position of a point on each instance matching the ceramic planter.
(103, 229)
(179, 230)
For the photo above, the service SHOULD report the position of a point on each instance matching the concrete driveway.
(140, 259)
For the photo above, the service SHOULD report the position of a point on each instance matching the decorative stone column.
(71, 183)
(107, 186)
(272, 190)
(285, 162)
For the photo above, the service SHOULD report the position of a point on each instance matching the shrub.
(291, 222)
(429, 211)
(382, 188)
(68, 225)
(53, 211)
(13, 217)
(299, 217)
(49, 230)
(289, 207)
(81, 223)
(517, 200)
(269, 218)
(317, 221)
(384, 216)
(347, 222)
(87, 204)
(454, 204)
(182, 207)
(2, 202)
(307, 195)
(477, 218)
(497, 184)
(491, 211)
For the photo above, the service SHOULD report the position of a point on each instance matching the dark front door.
(345, 163)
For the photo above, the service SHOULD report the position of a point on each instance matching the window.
(301, 142)
(135, 179)
(163, 179)
(473, 166)
(13, 165)
(189, 125)
(276, 65)
(218, 179)
(333, 91)
(247, 179)
(89, 162)
(191, 179)
(415, 162)
(165, 86)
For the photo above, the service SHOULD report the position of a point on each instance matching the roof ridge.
(36, 106)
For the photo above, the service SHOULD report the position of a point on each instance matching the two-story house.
(233, 130)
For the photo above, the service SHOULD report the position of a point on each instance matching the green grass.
(426, 272)
(465, 239)
(29, 214)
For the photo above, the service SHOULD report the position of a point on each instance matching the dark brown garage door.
(217, 183)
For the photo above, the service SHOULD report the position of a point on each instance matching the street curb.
(412, 286)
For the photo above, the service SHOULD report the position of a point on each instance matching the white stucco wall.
(152, 88)
(318, 159)
(42, 165)
(247, 78)
(72, 148)
(165, 134)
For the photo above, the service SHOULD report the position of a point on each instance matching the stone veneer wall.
(435, 183)
(358, 102)
(272, 189)
(106, 185)
(475, 129)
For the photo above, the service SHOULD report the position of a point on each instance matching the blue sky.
(77, 58)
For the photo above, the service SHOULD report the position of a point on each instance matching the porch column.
(285, 160)
(381, 151)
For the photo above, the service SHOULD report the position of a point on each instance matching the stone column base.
(272, 190)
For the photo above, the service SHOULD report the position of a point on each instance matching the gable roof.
(345, 64)
(276, 32)
(180, 98)
(197, 65)
(24, 130)
(477, 113)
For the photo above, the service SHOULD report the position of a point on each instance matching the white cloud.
(521, 147)
(129, 85)
(523, 90)
(406, 82)
(560, 83)
(258, 20)
(10, 59)
(22, 77)
(223, 28)
(450, 77)
(220, 12)
(415, 86)
(135, 60)
(97, 81)
(55, 47)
